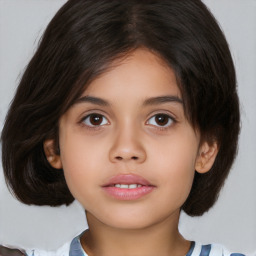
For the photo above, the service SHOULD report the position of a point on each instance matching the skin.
(129, 139)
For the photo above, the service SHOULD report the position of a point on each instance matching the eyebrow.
(150, 101)
(93, 100)
(162, 99)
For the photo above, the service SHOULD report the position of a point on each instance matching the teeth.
(124, 186)
(131, 186)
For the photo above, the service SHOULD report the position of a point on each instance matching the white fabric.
(62, 251)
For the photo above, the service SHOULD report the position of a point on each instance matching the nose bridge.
(127, 144)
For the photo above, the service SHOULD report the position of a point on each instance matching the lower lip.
(128, 194)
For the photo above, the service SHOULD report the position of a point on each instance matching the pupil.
(162, 119)
(96, 119)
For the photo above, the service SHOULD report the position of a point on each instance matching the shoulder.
(198, 249)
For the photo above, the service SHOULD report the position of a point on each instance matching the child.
(131, 108)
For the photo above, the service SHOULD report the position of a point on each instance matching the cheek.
(176, 164)
(79, 153)
(177, 152)
(80, 162)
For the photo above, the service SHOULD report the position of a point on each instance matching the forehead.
(141, 72)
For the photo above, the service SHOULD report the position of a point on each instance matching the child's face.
(129, 127)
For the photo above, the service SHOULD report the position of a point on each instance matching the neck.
(159, 239)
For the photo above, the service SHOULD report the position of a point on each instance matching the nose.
(127, 147)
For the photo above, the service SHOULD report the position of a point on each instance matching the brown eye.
(161, 120)
(95, 120)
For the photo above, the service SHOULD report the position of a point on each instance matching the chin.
(129, 221)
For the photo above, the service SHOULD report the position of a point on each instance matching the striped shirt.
(75, 249)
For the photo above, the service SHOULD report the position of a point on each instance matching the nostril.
(132, 158)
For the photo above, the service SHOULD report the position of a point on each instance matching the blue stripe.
(191, 249)
(237, 254)
(205, 251)
(75, 248)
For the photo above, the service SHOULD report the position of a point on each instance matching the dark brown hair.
(83, 38)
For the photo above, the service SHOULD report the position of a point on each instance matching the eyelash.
(105, 121)
(167, 125)
(94, 126)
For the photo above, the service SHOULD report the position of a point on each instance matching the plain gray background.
(232, 221)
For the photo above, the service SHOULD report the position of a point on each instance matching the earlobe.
(53, 158)
(206, 157)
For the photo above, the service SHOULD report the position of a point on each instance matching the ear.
(206, 156)
(51, 155)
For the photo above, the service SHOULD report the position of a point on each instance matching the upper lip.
(127, 179)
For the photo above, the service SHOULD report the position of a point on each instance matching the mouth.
(128, 187)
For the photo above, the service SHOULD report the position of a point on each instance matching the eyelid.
(88, 115)
(92, 111)
(173, 120)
